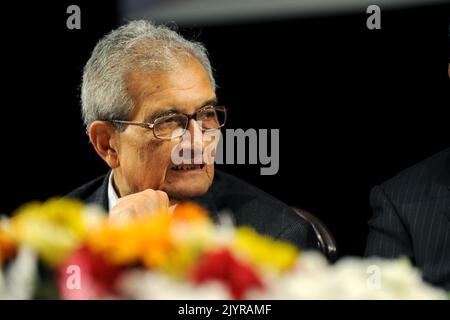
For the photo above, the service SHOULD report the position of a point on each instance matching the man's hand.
(139, 205)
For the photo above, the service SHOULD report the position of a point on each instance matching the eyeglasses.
(175, 125)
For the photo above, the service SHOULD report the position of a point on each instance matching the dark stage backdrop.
(354, 106)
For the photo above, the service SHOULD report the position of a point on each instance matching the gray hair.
(138, 45)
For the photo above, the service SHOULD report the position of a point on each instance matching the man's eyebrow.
(210, 102)
(161, 113)
(175, 110)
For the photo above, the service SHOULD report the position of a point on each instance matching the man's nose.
(196, 134)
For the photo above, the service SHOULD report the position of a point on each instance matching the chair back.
(327, 243)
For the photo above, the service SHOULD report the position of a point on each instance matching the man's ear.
(104, 139)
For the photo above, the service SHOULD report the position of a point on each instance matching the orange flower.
(161, 241)
(118, 245)
(189, 212)
(7, 247)
(156, 241)
(143, 240)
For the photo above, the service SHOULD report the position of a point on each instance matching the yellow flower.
(264, 252)
(179, 261)
(53, 228)
(190, 240)
(193, 233)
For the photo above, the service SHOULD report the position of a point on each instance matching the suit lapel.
(100, 195)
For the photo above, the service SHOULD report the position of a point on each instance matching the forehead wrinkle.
(148, 91)
(145, 87)
(170, 102)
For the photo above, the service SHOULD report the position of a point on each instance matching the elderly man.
(145, 88)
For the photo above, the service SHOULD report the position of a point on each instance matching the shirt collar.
(112, 194)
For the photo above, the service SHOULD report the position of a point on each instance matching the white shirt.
(113, 197)
(112, 194)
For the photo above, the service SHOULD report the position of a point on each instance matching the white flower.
(18, 280)
(148, 285)
(350, 278)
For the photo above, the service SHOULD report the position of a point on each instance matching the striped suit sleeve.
(388, 237)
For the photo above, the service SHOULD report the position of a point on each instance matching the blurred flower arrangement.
(62, 249)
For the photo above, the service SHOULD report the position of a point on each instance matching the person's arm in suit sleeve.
(388, 236)
(301, 234)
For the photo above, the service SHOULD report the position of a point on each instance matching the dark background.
(354, 106)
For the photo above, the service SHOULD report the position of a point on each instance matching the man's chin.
(186, 190)
(185, 185)
(186, 194)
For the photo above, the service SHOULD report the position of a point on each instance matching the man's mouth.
(188, 167)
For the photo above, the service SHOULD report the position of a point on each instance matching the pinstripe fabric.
(411, 217)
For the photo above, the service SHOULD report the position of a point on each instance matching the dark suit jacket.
(247, 204)
(412, 218)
